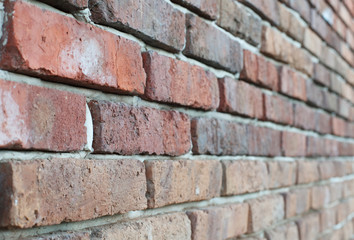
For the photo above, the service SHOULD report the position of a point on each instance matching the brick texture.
(68, 5)
(208, 8)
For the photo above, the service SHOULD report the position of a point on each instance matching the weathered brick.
(309, 226)
(218, 137)
(293, 144)
(314, 94)
(342, 212)
(268, 9)
(239, 21)
(326, 169)
(314, 146)
(322, 74)
(336, 190)
(59, 48)
(250, 66)
(244, 177)
(330, 101)
(240, 98)
(339, 26)
(136, 18)
(319, 25)
(174, 81)
(197, 180)
(320, 197)
(212, 46)
(44, 192)
(339, 126)
(263, 141)
(128, 130)
(278, 109)
(292, 83)
(40, 118)
(275, 45)
(297, 202)
(267, 74)
(304, 117)
(80, 235)
(312, 42)
(265, 211)
(301, 60)
(336, 83)
(350, 6)
(323, 122)
(307, 172)
(288, 231)
(345, 15)
(327, 218)
(348, 188)
(160, 227)
(68, 5)
(302, 7)
(221, 222)
(281, 174)
(208, 8)
(290, 24)
(344, 109)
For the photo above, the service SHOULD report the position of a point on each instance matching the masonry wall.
(181, 119)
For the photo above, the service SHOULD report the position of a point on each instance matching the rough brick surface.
(44, 192)
(173, 81)
(268, 9)
(278, 109)
(309, 226)
(244, 177)
(293, 144)
(160, 227)
(63, 236)
(307, 172)
(220, 222)
(127, 130)
(281, 174)
(304, 117)
(59, 48)
(240, 98)
(297, 202)
(208, 8)
(320, 197)
(292, 84)
(288, 231)
(197, 180)
(265, 211)
(68, 5)
(212, 46)
(39, 118)
(135, 17)
(263, 141)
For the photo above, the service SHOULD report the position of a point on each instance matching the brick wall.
(177, 119)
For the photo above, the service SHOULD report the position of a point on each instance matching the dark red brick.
(40, 118)
(211, 45)
(59, 48)
(278, 109)
(45, 192)
(174, 81)
(128, 130)
(250, 66)
(292, 84)
(143, 19)
(178, 181)
(207, 8)
(267, 74)
(240, 97)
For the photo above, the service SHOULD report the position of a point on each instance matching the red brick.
(304, 117)
(314, 94)
(208, 8)
(320, 197)
(45, 192)
(174, 81)
(240, 98)
(250, 66)
(278, 109)
(309, 226)
(63, 236)
(263, 141)
(342, 212)
(314, 146)
(178, 181)
(274, 44)
(218, 137)
(59, 48)
(301, 60)
(160, 227)
(293, 144)
(345, 15)
(287, 231)
(327, 218)
(303, 8)
(297, 202)
(330, 101)
(281, 174)
(326, 169)
(344, 109)
(336, 190)
(221, 222)
(312, 42)
(307, 172)
(68, 5)
(211, 45)
(348, 188)
(350, 6)
(323, 122)
(40, 118)
(291, 24)
(128, 130)
(244, 177)
(265, 211)
(339, 126)
(322, 74)
(319, 25)
(267, 74)
(268, 9)
(135, 17)
(292, 84)
(345, 148)
(239, 21)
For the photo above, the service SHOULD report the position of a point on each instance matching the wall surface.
(177, 119)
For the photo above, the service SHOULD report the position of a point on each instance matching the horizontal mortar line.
(6, 155)
(138, 102)
(182, 207)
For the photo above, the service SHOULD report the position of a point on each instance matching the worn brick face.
(244, 177)
(281, 174)
(197, 180)
(135, 17)
(128, 130)
(59, 48)
(40, 118)
(63, 236)
(297, 202)
(174, 81)
(278, 109)
(68, 5)
(287, 231)
(307, 172)
(48, 191)
(309, 226)
(269, 9)
(292, 84)
(221, 222)
(212, 46)
(208, 8)
(293, 144)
